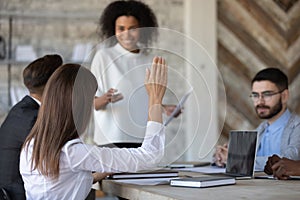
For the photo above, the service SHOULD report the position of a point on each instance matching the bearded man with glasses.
(280, 132)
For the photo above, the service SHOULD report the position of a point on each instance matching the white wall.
(202, 122)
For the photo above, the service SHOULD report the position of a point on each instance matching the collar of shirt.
(280, 122)
(122, 51)
(37, 101)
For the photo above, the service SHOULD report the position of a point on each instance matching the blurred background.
(240, 36)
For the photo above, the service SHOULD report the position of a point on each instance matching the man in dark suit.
(19, 122)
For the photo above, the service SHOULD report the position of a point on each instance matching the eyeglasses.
(266, 96)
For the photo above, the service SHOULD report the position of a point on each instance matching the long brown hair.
(64, 114)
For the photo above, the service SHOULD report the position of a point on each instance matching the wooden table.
(244, 189)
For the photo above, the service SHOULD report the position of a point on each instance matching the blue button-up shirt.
(271, 139)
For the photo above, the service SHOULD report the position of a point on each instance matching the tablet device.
(178, 107)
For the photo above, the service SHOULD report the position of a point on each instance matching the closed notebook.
(145, 174)
(202, 182)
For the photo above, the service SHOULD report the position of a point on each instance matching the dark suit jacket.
(13, 132)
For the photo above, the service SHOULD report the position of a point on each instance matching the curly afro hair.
(137, 9)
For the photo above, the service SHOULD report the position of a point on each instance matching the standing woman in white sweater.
(121, 98)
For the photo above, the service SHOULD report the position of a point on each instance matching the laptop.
(241, 154)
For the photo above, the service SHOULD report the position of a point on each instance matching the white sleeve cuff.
(154, 128)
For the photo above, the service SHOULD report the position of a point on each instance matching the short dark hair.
(274, 75)
(137, 9)
(37, 73)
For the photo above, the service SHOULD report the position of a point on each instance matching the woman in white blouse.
(56, 164)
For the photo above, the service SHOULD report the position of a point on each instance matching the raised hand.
(155, 83)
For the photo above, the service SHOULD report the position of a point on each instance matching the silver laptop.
(241, 154)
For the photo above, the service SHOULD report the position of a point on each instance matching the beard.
(272, 110)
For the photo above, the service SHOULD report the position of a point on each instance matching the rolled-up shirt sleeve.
(81, 156)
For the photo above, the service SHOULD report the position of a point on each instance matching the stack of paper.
(145, 174)
(145, 177)
(188, 164)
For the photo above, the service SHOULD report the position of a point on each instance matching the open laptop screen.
(241, 153)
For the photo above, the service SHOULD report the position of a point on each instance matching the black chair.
(4, 194)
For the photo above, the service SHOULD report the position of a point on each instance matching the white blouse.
(78, 160)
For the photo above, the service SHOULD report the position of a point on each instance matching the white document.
(178, 107)
(145, 181)
(205, 169)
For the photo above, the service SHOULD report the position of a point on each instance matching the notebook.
(241, 153)
(144, 174)
(201, 182)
